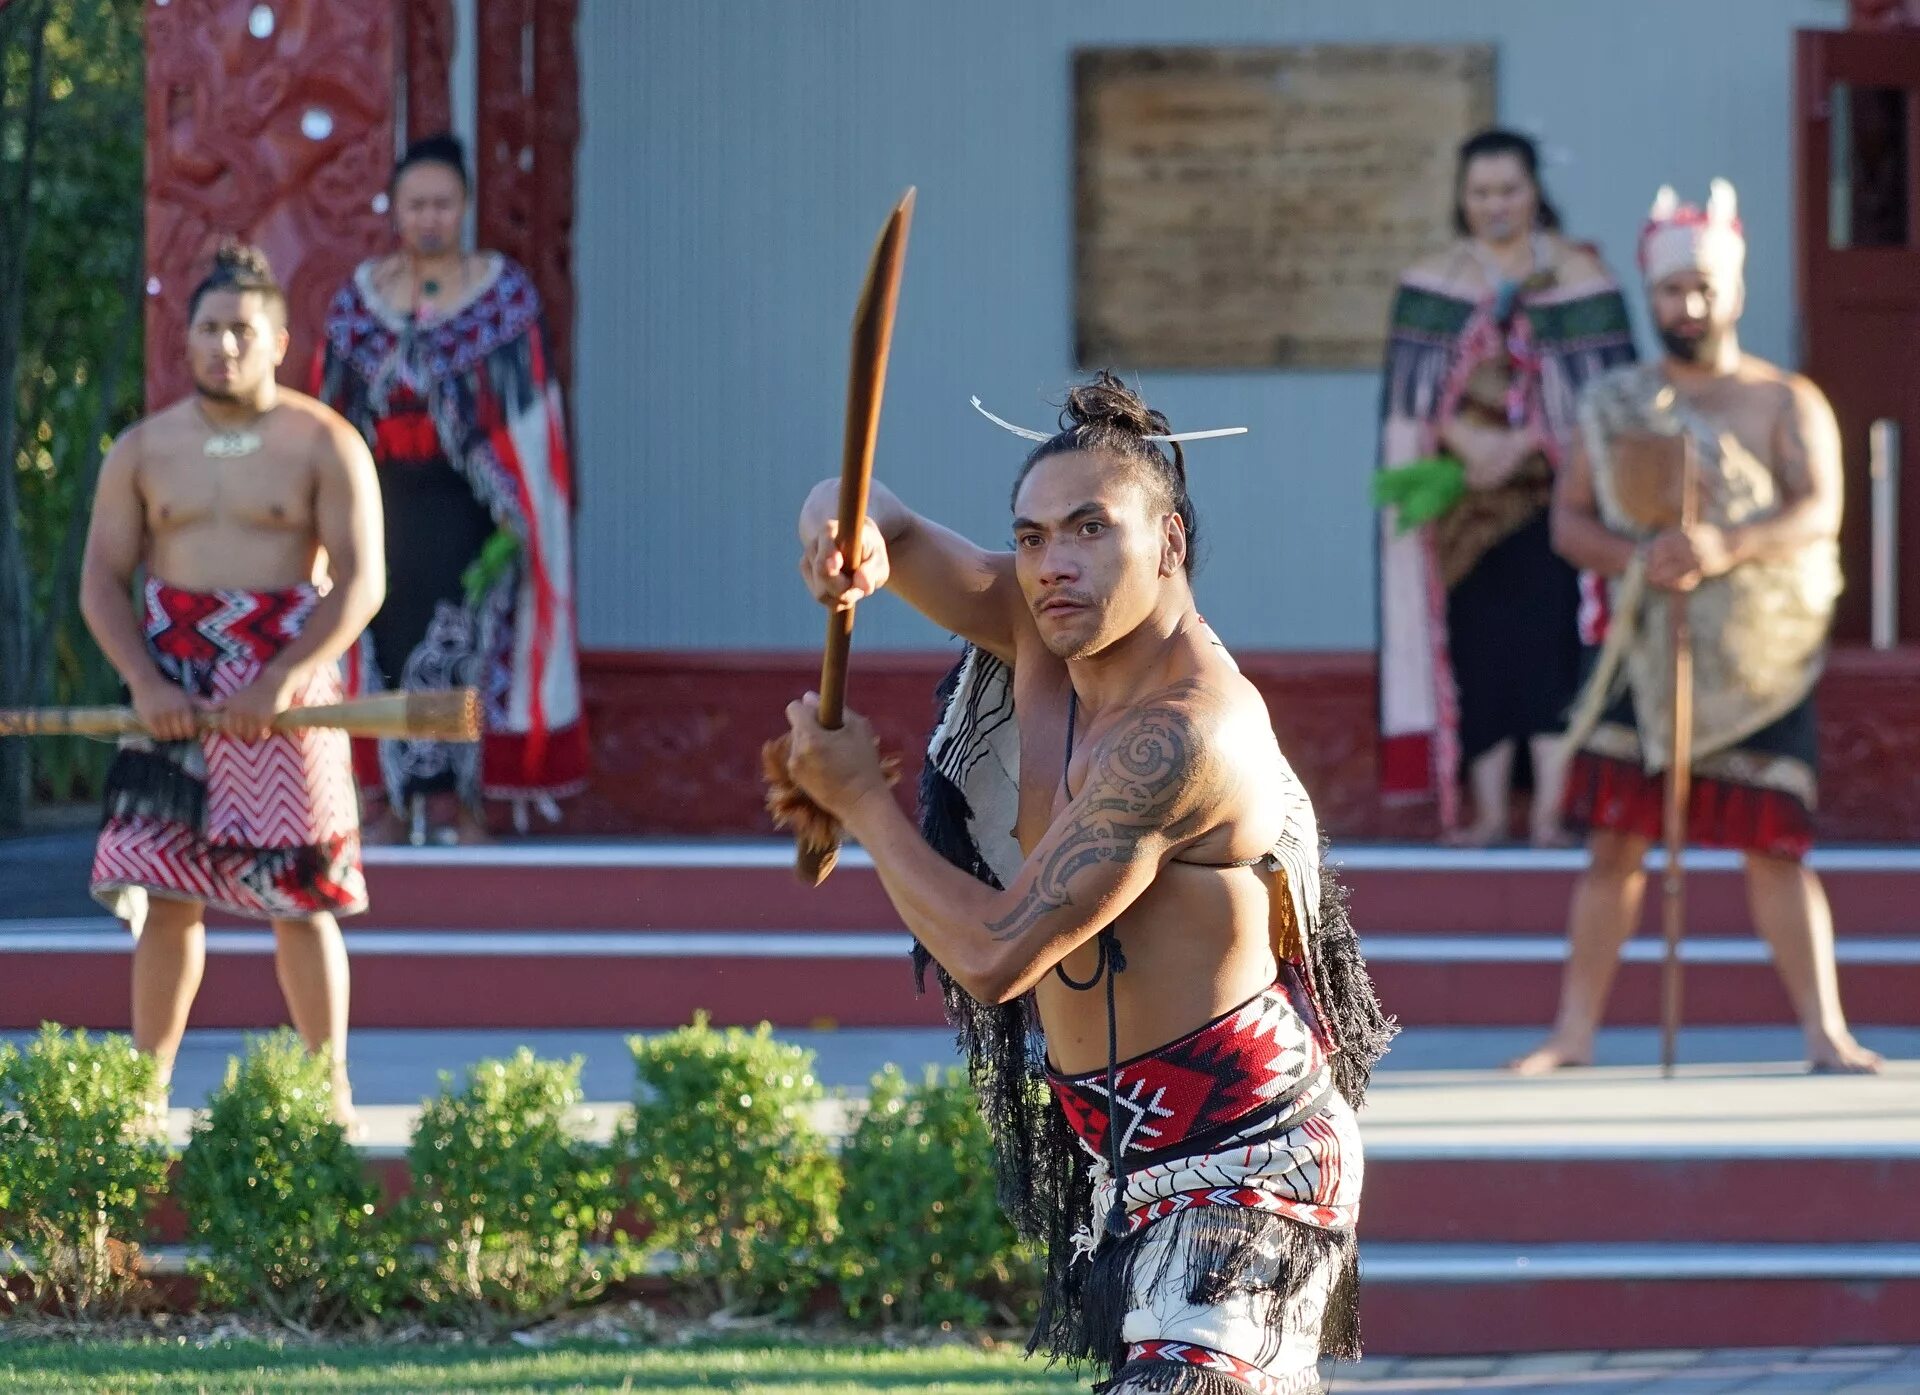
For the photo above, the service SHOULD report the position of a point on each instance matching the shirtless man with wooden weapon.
(255, 515)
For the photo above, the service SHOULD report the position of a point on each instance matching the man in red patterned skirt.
(255, 516)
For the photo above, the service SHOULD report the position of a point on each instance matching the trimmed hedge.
(507, 1196)
(510, 1216)
(727, 1167)
(280, 1200)
(81, 1160)
(923, 1241)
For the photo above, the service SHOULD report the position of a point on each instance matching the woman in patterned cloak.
(1480, 622)
(436, 354)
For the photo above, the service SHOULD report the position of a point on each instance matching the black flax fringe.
(1171, 1378)
(154, 783)
(1221, 1250)
(1358, 1026)
(1045, 1178)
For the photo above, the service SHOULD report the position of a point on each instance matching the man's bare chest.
(1746, 416)
(265, 490)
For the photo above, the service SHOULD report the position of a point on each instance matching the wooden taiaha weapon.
(441, 715)
(1679, 776)
(866, 383)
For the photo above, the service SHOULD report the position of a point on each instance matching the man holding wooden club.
(1707, 487)
(1165, 921)
(255, 515)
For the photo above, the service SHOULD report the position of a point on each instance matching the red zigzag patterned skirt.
(266, 829)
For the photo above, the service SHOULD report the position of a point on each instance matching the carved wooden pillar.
(271, 120)
(528, 132)
(429, 39)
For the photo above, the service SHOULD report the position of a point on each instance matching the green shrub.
(278, 1197)
(79, 1164)
(507, 1195)
(728, 1167)
(922, 1238)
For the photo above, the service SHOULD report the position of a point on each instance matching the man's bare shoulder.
(1210, 712)
(1784, 390)
(156, 434)
(334, 437)
(298, 404)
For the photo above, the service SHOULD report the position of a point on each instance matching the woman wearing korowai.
(1491, 342)
(436, 354)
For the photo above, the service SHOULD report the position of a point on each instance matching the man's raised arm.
(960, 587)
(1155, 785)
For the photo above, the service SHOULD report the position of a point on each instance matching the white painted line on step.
(1383, 1147)
(689, 854)
(1388, 1262)
(1469, 1264)
(738, 854)
(1545, 949)
(513, 944)
(95, 935)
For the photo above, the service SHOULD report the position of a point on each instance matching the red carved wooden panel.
(677, 737)
(429, 42)
(528, 129)
(283, 137)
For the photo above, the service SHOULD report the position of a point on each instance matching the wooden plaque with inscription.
(1255, 207)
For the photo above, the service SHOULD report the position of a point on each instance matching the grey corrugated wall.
(739, 156)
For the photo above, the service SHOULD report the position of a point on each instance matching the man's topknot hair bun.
(239, 266)
(234, 260)
(1108, 402)
(1106, 416)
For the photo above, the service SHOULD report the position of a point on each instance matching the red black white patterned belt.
(1219, 1363)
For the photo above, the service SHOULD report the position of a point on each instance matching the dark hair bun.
(1109, 402)
(440, 148)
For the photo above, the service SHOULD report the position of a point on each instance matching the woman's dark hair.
(1496, 142)
(1106, 415)
(440, 148)
(238, 266)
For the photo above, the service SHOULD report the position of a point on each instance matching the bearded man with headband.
(1156, 987)
(1761, 572)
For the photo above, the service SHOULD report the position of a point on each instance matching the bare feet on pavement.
(1841, 1055)
(1555, 1053)
(1479, 834)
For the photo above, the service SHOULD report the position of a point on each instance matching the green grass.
(258, 1368)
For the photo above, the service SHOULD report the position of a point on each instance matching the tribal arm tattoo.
(1806, 464)
(1154, 783)
(1143, 793)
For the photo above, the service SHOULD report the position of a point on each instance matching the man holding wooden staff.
(1758, 572)
(1208, 1025)
(255, 515)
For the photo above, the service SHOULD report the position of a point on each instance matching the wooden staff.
(1679, 776)
(449, 715)
(866, 382)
